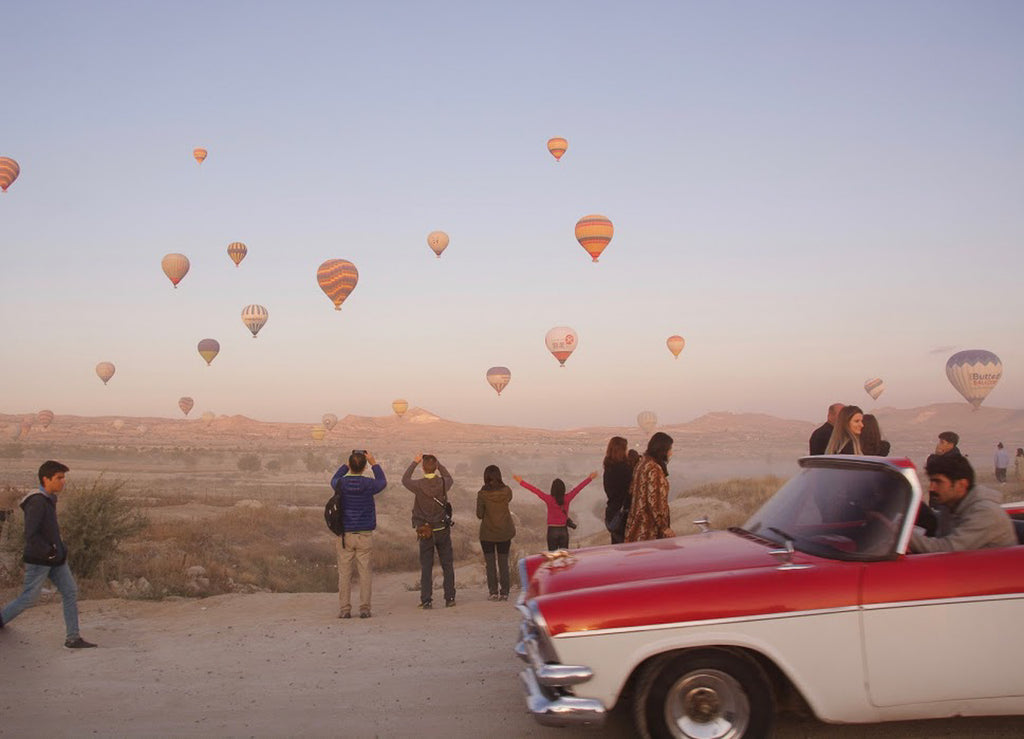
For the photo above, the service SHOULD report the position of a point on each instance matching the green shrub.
(95, 522)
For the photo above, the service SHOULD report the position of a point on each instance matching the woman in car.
(845, 437)
(871, 441)
(649, 516)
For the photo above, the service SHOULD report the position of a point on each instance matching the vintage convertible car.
(814, 602)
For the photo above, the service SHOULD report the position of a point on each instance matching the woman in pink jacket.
(558, 508)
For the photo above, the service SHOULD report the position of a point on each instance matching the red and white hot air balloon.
(561, 341)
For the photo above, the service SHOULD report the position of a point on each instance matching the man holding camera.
(359, 512)
(431, 517)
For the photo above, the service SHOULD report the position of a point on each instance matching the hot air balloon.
(237, 251)
(594, 232)
(329, 421)
(207, 418)
(317, 432)
(400, 406)
(9, 171)
(209, 348)
(45, 418)
(105, 370)
(557, 147)
(498, 378)
(974, 373)
(874, 387)
(437, 241)
(561, 341)
(647, 421)
(199, 153)
(118, 424)
(185, 403)
(26, 424)
(337, 278)
(175, 267)
(254, 317)
(675, 344)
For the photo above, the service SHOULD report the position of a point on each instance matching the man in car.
(977, 521)
(820, 436)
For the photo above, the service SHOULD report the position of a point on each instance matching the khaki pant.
(358, 547)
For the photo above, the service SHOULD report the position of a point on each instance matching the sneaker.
(449, 603)
(426, 605)
(492, 596)
(78, 643)
(503, 596)
(344, 614)
(364, 614)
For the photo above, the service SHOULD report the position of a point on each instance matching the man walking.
(820, 436)
(45, 555)
(359, 512)
(1002, 461)
(429, 518)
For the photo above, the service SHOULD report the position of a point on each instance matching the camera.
(359, 451)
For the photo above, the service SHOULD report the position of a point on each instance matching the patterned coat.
(648, 512)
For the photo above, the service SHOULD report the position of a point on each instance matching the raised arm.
(543, 496)
(572, 493)
(342, 471)
(407, 477)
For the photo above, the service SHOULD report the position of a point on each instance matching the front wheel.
(704, 694)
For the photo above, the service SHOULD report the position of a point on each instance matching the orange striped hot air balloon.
(45, 418)
(175, 267)
(594, 232)
(675, 344)
(199, 153)
(557, 147)
(208, 350)
(400, 406)
(105, 370)
(337, 278)
(254, 317)
(185, 403)
(237, 251)
(437, 241)
(9, 171)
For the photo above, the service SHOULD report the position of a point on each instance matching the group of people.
(848, 430)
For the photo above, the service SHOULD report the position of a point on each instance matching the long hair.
(871, 436)
(616, 451)
(492, 478)
(558, 491)
(841, 435)
(658, 448)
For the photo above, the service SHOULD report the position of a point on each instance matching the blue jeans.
(35, 576)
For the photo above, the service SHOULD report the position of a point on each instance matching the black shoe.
(364, 614)
(503, 596)
(449, 603)
(426, 605)
(78, 643)
(346, 614)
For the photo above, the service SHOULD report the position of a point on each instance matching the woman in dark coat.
(871, 441)
(496, 530)
(618, 473)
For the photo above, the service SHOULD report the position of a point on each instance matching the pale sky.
(811, 193)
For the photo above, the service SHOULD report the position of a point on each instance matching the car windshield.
(852, 513)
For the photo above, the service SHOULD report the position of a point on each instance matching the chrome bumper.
(547, 696)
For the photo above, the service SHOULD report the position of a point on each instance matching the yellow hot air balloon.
(207, 418)
(561, 341)
(400, 406)
(337, 278)
(557, 147)
(437, 241)
(45, 418)
(199, 153)
(647, 421)
(329, 421)
(254, 317)
(9, 171)
(118, 424)
(675, 344)
(185, 403)
(105, 370)
(594, 232)
(208, 349)
(175, 267)
(237, 251)
(498, 378)
(318, 432)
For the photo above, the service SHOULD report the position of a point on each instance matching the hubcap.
(707, 704)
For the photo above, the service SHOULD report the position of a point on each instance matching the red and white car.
(814, 600)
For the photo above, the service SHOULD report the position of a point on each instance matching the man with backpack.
(431, 517)
(359, 512)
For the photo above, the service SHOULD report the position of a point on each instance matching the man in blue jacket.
(45, 555)
(359, 513)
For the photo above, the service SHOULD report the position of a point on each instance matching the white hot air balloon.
(561, 341)
(647, 421)
(974, 373)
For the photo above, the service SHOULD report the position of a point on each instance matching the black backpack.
(334, 516)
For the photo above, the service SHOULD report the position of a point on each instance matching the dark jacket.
(360, 511)
(43, 545)
(617, 477)
(819, 439)
(495, 518)
(425, 509)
